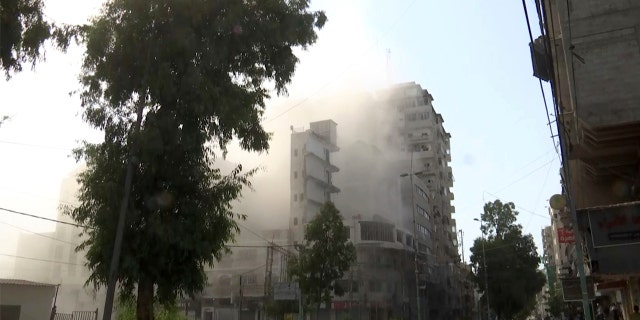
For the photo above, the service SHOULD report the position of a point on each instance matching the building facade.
(419, 133)
(311, 173)
(590, 53)
(64, 266)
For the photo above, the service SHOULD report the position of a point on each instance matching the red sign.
(565, 236)
(341, 305)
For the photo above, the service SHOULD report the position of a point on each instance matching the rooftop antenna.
(388, 66)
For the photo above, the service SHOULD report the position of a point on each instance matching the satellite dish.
(557, 202)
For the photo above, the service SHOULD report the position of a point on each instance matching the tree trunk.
(144, 310)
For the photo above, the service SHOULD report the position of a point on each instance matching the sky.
(472, 56)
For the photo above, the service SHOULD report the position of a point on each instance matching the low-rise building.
(25, 300)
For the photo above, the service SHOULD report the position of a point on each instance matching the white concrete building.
(25, 300)
(311, 173)
(420, 135)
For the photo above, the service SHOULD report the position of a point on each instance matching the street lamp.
(486, 278)
(415, 242)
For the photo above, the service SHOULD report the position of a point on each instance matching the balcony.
(451, 196)
(325, 162)
(324, 184)
(607, 150)
(424, 154)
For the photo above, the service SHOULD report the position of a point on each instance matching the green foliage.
(324, 257)
(555, 302)
(23, 32)
(512, 262)
(127, 311)
(279, 308)
(167, 81)
(4, 119)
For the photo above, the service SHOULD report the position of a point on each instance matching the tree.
(555, 302)
(23, 32)
(323, 258)
(512, 262)
(170, 82)
(4, 119)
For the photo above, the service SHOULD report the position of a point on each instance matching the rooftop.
(20, 282)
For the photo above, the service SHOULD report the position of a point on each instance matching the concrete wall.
(35, 301)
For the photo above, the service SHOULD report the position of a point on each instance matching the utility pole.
(415, 238)
(486, 271)
(117, 247)
(462, 245)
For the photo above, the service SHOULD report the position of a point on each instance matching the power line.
(40, 234)
(546, 178)
(519, 207)
(544, 96)
(43, 218)
(81, 226)
(393, 25)
(263, 238)
(35, 145)
(527, 175)
(42, 260)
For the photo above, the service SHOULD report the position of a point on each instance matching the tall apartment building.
(419, 133)
(311, 173)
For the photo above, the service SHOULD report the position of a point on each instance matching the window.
(423, 115)
(295, 152)
(422, 229)
(10, 312)
(295, 174)
(399, 236)
(376, 231)
(422, 193)
(409, 240)
(342, 284)
(347, 232)
(250, 279)
(422, 212)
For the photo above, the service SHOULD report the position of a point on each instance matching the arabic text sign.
(285, 291)
(615, 226)
(565, 236)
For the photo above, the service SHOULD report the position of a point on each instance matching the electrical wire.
(40, 234)
(35, 145)
(265, 239)
(527, 175)
(43, 218)
(42, 260)
(544, 96)
(519, 207)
